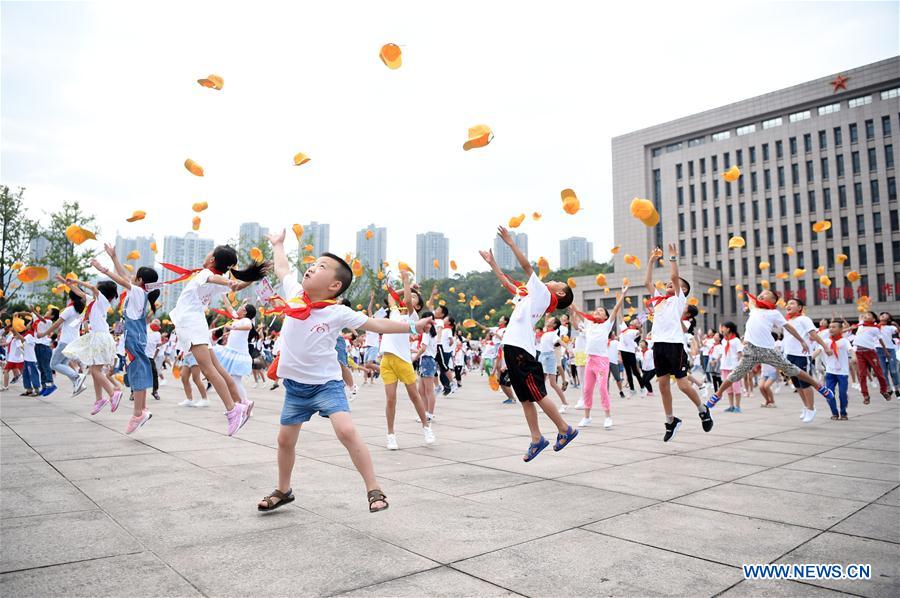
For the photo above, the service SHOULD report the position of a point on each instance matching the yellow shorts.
(393, 369)
(580, 359)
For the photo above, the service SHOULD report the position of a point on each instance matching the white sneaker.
(585, 421)
(392, 442)
(429, 435)
(803, 414)
(810, 415)
(355, 389)
(643, 392)
(430, 417)
(256, 385)
(563, 408)
(630, 393)
(201, 403)
(187, 403)
(79, 385)
(579, 404)
(607, 423)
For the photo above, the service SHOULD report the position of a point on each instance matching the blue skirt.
(236, 363)
(140, 374)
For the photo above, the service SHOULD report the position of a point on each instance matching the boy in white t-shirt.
(309, 368)
(837, 369)
(868, 338)
(532, 301)
(669, 355)
(759, 346)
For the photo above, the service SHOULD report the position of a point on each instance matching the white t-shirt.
(398, 344)
(528, 310)
(597, 338)
(580, 338)
(729, 359)
(490, 351)
(627, 340)
(430, 343)
(840, 362)
(308, 353)
(667, 318)
(120, 345)
(803, 325)
(97, 317)
(613, 352)
(197, 295)
(867, 337)
(237, 339)
(459, 358)
(68, 330)
(43, 325)
(548, 341)
(760, 323)
(887, 335)
(372, 339)
(646, 359)
(563, 331)
(706, 346)
(15, 351)
(29, 348)
(134, 302)
(153, 340)
(715, 353)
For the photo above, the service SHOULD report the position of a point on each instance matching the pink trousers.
(597, 370)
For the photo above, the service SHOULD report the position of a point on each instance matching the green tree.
(63, 256)
(18, 230)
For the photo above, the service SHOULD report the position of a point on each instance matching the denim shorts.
(302, 401)
(427, 367)
(548, 362)
(371, 355)
(341, 348)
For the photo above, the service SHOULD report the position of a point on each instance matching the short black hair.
(777, 296)
(731, 326)
(108, 289)
(692, 311)
(147, 274)
(250, 311)
(344, 273)
(687, 284)
(566, 300)
(799, 301)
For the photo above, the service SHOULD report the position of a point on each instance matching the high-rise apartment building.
(251, 233)
(372, 252)
(432, 246)
(317, 235)
(125, 246)
(188, 251)
(575, 251)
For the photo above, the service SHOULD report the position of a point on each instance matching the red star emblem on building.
(840, 82)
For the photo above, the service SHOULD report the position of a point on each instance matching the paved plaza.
(88, 511)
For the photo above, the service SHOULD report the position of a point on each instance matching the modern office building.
(317, 235)
(432, 246)
(575, 251)
(372, 252)
(184, 251)
(125, 246)
(504, 255)
(251, 233)
(821, 150)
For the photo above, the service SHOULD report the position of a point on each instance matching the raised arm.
(618, 307)
(120, 269)
(429, 304)
(520, 257)
(279, 257)
(815, 336)
(124, 281)
(488, 257)
(385, 326)
(71, 285)
(673, 261)
(407, 288)
(651, 262)
(372, 301)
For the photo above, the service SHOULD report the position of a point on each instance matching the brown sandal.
(865, 400)
(377, 496)
(835, 418)
(283, 499)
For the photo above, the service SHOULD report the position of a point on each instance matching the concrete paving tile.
(218, 457)
(649, 484)
(318, 559)
(822, 484)
(881, 556)
(58, 496)
(879, 522)
(855, 469)
(442, 581)
(143, 574)
(390, 461)
(656, 445)
(464, 451)
(575, 505)
(571, 560)
(867, 455)
(91, 450)
(460, 478)
(745, 456)
(609, 453)
(777, 446)
(62, 538)
(721, 537)
(548, 465)
(882, 442)
(122, 466)
(700, 468)
(778, 589)
(20, 454)
(28, 473)
(892, 498)
(810, 510)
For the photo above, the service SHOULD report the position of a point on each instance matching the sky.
(100, 104)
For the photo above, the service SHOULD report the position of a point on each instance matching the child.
(42, 349)
(235, 354)
(800, 357)
(68, 324)
(428, 367)
(759, 345)
(668, 341)
(96, 349)
(868, 338)
(648, 368)
(533, 301)
(627, 346)
(615, 362)
(887, 356)
(732, 349)
(15, 358)
(137, 300)
(31, 379)
(547, 356)
(714, 363)
(596, 330)
(837, 369)
(308, 365)
(188, 316)
(190, 371)
(396, 363)
(151, 350)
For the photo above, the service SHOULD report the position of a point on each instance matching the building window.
(770, 235)
(784, 238)
(739, 157)
(845, 229)
(742, 212)
(678, 172)
(694, 246)
(756, 242)
(874, 191)
(839, 159)
(721, 135)
(769, 208)
(705, 215)
(705, 241)
(715, 185)
(829, 256)
(823, 163)
(691, 168)
(860, 101)
(876, 222)
(715, 163)
(873, 160)
(870, 129)
(779, 150)
(796, 204)
(842, 196)
(755, 210)
(729, 219)
(886, 126)
(680, 222)
(830, 108)
(719, 250)
(680, 192)
(892, 191)
(826, 199)
(772, 122)
(753, 182)
(703, 191)
(857, 193)
(746, 129)
(798, 116)
(693, 196)
(780, 177)
(767, 179)
(889, 156)
(895, 223)
(681, 247)
(765, 152)
(695, 141)
(753, 151)
(854, 134)
(895, 249)
(807, 143)
(890, 93)
(716, 219)
(693, 220)
(854, 160)
(656, 152)
(726, 161)
(809, 171)
(795, 174)
(673, 147)
(741, 185)
(823, 140)
(838, 137)
(860, 224)
(782, 206)
(702, 166)
(863, 259)
(811, 200)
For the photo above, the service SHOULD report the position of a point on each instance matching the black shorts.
(802, 363)
(670, 360)
(504, 379)
(525, 374)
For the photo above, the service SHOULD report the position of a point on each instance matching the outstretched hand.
(656, 254)
(673, 250)
(110, 250)
(276, 238)
(423, 323)
(503, 233)
(487, 255)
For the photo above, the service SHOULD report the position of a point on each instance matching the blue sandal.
(535, 448)
(563, 440)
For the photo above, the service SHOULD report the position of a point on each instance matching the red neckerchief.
(869, 324)
(792, 316)
(223, 313)
(760, 303)
(590, 318)
(728, 338)
(834, 346)
(121, 300)
(644, 352)
(154, 327)
(87, 311)
(184, 273)
(396, 297)
(654, 301)
(300, 312)
(502, 326)
(522, 291)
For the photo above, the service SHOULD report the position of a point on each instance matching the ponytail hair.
(255, 271)
(225, 259)
(77, 301)
(428, 314)
(152, 296)
(250, 311)
(108, 289)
